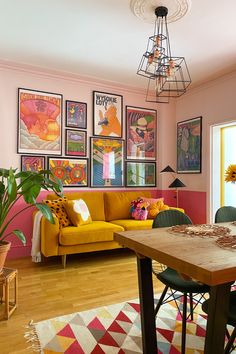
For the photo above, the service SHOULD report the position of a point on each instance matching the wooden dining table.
(199, 258)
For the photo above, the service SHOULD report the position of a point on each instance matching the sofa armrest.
(49, 237)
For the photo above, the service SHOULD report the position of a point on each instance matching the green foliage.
(27, 185)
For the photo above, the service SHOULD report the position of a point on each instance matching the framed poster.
(32, 163)
(107, 114)
(141, 134)
(76, 114)
(75, 142)
(189, 145)
(140, 174)
(72, 172)
(39, 122)
(107, 162)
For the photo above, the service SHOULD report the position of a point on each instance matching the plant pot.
(4, 248)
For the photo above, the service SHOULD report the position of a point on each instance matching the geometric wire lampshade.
(168, 75)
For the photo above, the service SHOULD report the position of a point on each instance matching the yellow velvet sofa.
(110, 212)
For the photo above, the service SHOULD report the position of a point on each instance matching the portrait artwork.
(189, 145)
(141, 133)
(76, 114)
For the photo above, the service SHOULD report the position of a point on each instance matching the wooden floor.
(47, 290)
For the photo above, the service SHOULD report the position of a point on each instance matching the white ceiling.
(103, 39)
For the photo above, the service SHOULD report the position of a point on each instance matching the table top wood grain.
(198, 257)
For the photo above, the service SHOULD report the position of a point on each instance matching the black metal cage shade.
(168, 75)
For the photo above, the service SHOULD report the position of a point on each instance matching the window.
(228, 156)
(223, 154)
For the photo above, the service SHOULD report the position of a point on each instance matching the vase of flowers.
(230, 174)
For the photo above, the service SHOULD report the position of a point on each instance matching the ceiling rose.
(145, 9)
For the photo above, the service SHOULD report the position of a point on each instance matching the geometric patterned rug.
(116, 329)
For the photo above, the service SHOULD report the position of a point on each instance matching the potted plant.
(27, 185)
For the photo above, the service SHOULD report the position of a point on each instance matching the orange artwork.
(107, 114)
(39, 122)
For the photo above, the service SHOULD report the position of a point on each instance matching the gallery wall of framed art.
(120, 152)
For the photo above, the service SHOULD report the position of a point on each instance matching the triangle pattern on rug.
(66, 332)
(107, 339)
(116, 329)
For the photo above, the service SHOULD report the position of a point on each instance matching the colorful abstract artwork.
(76, 142)
(39, 122)
(71, 172)
(140, 174)
(32, 163)
(107, 114)
(141, 133)
(106, 162)
(76, 114)
(189, 145)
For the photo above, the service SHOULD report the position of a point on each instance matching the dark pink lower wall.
(194, 204)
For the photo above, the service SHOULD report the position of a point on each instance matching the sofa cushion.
(131, 224)
(94, 201)
(97, 231)
(117, 204)
(57, 207)
(78, 212)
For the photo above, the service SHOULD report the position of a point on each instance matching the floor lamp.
(175, 184)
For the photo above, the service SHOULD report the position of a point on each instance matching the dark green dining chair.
(225, 214)
(230, 321)
(173, 280)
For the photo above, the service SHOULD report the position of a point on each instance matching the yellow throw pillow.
(78, 212)
(57, 207)
(155, 208)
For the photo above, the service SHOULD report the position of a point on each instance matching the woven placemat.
(203, 230)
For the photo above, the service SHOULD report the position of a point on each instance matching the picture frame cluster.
(46, 141)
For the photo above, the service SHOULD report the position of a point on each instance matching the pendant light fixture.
(168, 75)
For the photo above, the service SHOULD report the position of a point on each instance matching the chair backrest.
(225, 213)
(167, 218)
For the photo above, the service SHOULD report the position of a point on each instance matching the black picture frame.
(106, 162)
(76, 114)
(189, 145)
(39, 128)
(34, 163)
(73, 147)
(140, 174)
(107, 114)
(73, 172)
(141, 133)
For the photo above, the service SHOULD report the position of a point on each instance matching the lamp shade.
(177, 184)
(167, 169)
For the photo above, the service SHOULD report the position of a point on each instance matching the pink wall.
(72, 88)
(215, 102)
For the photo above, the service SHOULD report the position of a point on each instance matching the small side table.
(8, 277)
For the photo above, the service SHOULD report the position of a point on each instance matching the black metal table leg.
(148, 324)
(217, 318)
